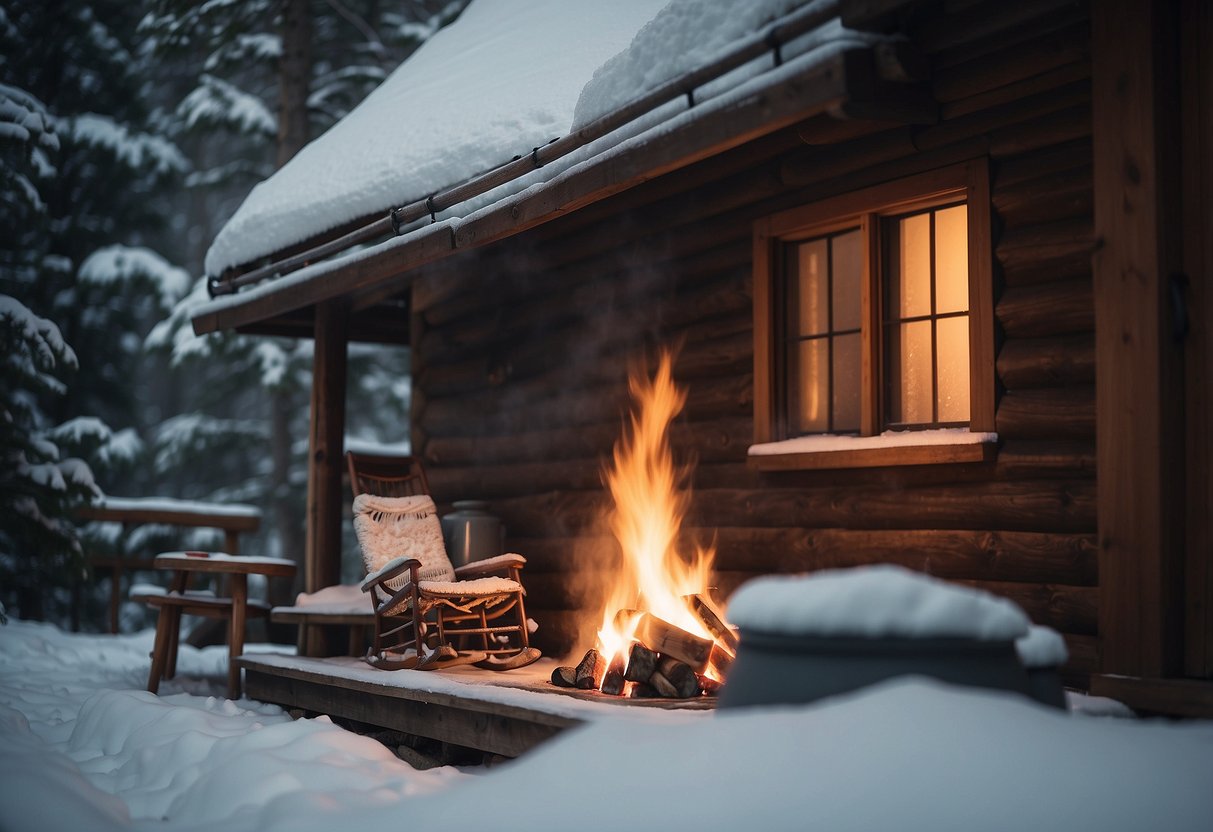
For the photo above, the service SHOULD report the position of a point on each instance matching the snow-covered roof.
(499, 82)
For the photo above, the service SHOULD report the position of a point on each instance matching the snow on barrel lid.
(1042, 647)
(874, 602)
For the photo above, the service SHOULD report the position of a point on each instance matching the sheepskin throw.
(401, 527)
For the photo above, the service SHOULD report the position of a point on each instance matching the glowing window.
(873, 311)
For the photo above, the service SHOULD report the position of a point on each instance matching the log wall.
(521, 350)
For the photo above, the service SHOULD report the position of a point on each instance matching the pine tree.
(271, 75)
(86, 187)
(39, 549)
(130, 131)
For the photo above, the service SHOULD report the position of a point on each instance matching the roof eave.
(714, 126)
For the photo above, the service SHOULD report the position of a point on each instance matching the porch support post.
(1139, 387)
(325, 449)
(1197, 62)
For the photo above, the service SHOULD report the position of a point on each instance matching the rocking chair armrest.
(390, 570)
(500, 563)
(394, 599)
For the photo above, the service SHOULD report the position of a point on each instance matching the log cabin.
(984, 226)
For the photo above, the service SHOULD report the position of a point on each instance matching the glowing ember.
(646, 519)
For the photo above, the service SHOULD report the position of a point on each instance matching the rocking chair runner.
(422, 603)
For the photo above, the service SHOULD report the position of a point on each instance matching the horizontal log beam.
(1046, 131)
(1047, 413)
(1000, 96)
(713, 441)
(1010, 172)
(1068, 609)
(1049, 309)
(982, 25)
(1035, 244)
(711, 320)
(1067, 459)
(1001, 123)
(509, 410)
(1014, 62)
(978, 554)
(1054, 198)
(1047, 362)
(1029, 505)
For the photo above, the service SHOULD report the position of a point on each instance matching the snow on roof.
(503, 78)
(499, 81)
(873, 602)
(688, 34)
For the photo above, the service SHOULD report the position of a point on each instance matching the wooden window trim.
(968, 180)
(877, 457)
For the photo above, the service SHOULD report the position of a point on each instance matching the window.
(873, 314)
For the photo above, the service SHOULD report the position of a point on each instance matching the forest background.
(129, 133)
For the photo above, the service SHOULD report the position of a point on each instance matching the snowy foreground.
(84, 747)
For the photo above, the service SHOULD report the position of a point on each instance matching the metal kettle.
(471, 532)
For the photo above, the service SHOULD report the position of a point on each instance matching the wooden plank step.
(504, 713)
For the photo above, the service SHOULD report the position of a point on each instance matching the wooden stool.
(168, 623)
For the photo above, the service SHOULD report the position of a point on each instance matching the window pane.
(951, 260)
(848, 277)
(809, 399)
(814, 316)
(909, 383)
(952, 338)
(910, 285)
(848, 373)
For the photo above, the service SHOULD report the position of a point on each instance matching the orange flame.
(647, 516)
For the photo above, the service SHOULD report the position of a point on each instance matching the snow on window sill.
(921, 447)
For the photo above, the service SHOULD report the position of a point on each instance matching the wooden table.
(234, 606)
(231, 519)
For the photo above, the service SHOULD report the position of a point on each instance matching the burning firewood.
(721, 660)
(664, 687)
(612, 682)
(590, 671)
(680, 676)
(710, 686)
(641, 663)
(565, 677)
(665, 638)
(643, 690)
(709, 616)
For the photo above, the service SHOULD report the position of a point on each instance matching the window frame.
(967, 181)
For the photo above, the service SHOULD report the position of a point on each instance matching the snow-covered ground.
(84, 747)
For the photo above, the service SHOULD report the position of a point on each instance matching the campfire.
(661, 635)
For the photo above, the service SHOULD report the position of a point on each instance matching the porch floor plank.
(500, 712)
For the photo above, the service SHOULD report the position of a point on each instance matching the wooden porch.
(504, 713)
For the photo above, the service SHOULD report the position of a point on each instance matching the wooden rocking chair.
(386, 476)
(422, 603)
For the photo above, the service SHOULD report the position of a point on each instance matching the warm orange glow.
(650, 504)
